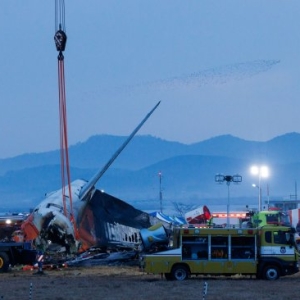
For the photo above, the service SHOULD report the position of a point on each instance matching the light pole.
(261, 172)
(220, 178)
(259, 192)
(160, 191)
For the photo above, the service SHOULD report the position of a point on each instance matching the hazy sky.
(219, 67)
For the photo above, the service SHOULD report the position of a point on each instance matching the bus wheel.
(168, 276)
(180, 272)
(4, 262)
(271, 273)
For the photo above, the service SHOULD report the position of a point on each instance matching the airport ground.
(127, 282)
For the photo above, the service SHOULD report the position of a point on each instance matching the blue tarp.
(176, 220)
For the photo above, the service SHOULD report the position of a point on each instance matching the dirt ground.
(127, 282)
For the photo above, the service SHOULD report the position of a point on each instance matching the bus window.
(242, 247)
(219, 247)
(194, 248)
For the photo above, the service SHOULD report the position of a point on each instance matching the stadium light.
(220, 178)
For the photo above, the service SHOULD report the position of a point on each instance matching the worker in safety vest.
(39, 261)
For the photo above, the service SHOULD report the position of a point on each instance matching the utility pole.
(160, 191)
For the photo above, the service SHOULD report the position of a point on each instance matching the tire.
(271, 273)
(168, 276)
(180, 272)
(4, 262)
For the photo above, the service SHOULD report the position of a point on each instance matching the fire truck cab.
(267, 252)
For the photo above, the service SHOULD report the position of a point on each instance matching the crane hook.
(60, 39)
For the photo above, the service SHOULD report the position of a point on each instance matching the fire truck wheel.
(4, 262)
(180, 272)
(271, 272)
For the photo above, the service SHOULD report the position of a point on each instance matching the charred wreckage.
(93, 220)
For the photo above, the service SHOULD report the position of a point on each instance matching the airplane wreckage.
(94, 219)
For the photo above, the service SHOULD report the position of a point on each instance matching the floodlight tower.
(220, 178)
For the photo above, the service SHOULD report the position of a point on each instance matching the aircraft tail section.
(90, 184)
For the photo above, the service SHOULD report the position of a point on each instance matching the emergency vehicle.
(253, 218)
(13, 253)
(267, 252)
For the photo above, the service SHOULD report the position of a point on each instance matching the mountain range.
(187, 171)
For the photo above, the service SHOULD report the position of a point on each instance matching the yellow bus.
(267, 252)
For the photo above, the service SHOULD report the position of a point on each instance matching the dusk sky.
(218, 67)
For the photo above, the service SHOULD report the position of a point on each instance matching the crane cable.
(60, 39)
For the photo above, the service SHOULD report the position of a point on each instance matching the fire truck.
(254, 219)
(13, 250)
(266, 252)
